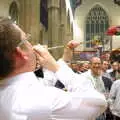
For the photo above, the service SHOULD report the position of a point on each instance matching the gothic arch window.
(13, 11)
(97, 22)
(44, 13)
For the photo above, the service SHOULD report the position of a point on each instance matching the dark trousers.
(109, 115)
(101, 117)
(116, 117)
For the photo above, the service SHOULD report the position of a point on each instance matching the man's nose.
(97, 65)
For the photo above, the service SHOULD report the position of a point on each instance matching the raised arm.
(68, 50)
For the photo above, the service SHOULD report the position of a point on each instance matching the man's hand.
(45, 58)
(73, 44)
(68, 50)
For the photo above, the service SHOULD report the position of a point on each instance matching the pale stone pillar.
(62, 22)
(68, 29)
(62, 25)
(25, 13)
(35, 21)
(53, 25)
(71, 31)
(29, 18)
(21, 14)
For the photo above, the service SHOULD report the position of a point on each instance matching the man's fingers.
(41, 50)
(73, 44)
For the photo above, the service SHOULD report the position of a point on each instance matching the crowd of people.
(34, 86)
(104, 74)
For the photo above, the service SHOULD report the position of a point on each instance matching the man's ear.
(20, 53)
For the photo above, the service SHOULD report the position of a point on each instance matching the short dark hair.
(9, 38)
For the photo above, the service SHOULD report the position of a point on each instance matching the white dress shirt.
(96, 81)
(72, 81)
(23, 97)
(114, 98)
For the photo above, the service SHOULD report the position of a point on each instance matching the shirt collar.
(94, 75)
(23, 77)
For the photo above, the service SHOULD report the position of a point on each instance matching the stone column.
(35, 20)
(25, 13)
(21, 14)
(67, 28)
(29, 18)
(53, 25)
(62, 25)
(63, 20)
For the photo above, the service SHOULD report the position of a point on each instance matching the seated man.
(23, 97)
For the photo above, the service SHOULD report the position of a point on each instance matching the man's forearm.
(68, 54)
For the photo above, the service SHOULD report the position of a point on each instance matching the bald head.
(95, 59)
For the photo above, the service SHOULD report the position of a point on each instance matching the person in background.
(107, 83)
(23, 97)
(85, 66)
(95, 76)
(74, 67)
(114, 100)
(118, 76)
(106, 76)
(114, 70)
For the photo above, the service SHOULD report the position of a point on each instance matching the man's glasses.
(28, 37)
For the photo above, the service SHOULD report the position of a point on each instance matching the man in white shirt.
(23, 97)
(94, 74)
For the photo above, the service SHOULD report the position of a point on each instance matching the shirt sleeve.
(50, 78)
(44, 102)
(71, 80)
(81, 105)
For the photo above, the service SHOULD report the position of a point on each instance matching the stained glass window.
(97, 22)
